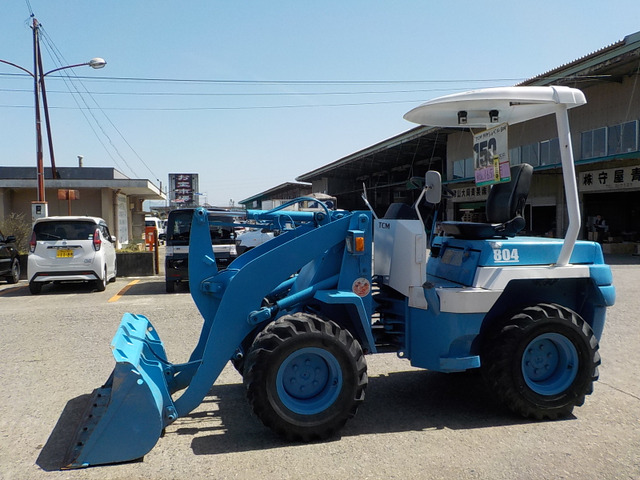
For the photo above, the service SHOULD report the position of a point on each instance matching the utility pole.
(37, 74)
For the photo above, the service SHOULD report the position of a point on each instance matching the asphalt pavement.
(414, 424)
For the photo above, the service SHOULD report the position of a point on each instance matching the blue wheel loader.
(299, 314)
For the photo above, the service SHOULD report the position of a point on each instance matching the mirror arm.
(366, 200)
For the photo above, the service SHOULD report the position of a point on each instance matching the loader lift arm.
(230, 302)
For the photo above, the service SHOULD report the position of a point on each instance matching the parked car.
(9, 259)
(163, 235)
(177, 250)
(250, 238)
(71, 249)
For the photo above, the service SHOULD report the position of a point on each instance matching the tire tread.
(498, 361)
(257, 363)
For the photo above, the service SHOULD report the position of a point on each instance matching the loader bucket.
(125, 417)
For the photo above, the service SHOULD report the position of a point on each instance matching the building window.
(616, 139)
(469, 168)
(458, 169)
(530, 154)
(550, 152)
(600, 142)
(463, 168)
(585, 145)
(514, 156)
(622, 138)
(594, 143)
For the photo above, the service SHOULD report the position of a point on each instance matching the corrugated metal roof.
(575, 70)
(608, 63)
(369, 152)
(283, 187)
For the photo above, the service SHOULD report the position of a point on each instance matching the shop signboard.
(470, 194)
(183, 189)
(609, 179)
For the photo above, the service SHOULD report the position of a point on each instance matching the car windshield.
(179, 226)
(67, 230)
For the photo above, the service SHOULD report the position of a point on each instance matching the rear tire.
(542, 362)
(305, 377)
(101, 284)
(115, 273)
(15, 272)
(35, 288)
(170, 286)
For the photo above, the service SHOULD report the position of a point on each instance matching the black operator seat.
(505, 206)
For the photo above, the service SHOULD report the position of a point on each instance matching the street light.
(39, 89)
(95, 63)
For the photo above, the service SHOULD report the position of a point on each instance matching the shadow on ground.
(153, 287)
(398, 402)
(54, 451)
(55, 288)
(621, 259)
(404, 401)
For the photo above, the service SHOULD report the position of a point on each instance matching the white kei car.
(71, 248)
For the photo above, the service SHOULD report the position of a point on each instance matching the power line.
(59, 59)
(289, 82)
(68, 77)
(295, 82)
(249, 94)
(330, 82)
(29, 7)
(250, 107)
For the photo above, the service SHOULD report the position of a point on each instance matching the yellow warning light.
(359, 244)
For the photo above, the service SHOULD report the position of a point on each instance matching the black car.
(9, 259)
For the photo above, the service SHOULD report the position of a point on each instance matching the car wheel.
(101, 284)
(35, 287)
(15, 272)
(115, 273)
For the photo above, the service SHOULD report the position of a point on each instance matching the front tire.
(542, 362)
(305, 377)
(115, 273)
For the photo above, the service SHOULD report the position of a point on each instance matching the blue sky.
(251, 94)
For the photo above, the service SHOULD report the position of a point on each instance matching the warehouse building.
(606, 145)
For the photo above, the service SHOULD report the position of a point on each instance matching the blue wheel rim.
(550, 364)
(309, 381)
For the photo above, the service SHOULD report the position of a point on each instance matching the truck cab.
(178, 231)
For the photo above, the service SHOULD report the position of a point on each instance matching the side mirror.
(113, 239)
(433, 186)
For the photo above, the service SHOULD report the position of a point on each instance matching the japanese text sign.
(491, 156)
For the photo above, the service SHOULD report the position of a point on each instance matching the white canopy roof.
(511, 104)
